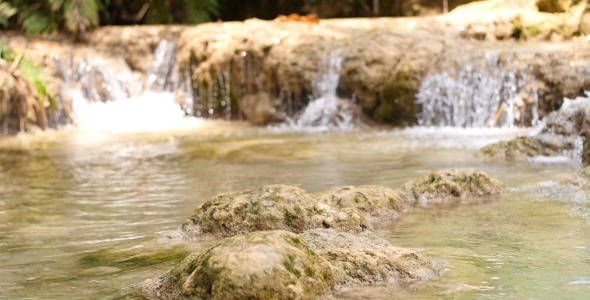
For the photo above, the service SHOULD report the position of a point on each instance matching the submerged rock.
(259, 265)
(374, 202)
(271, 207)
(368, 260)
(450, 186)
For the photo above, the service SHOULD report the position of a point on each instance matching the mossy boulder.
(374, 202)
(450, 186)
(398, 100)
(260, 265)
(525, 147)
(363, 259)
(271, 207)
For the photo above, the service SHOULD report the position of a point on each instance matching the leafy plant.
(6, 12)
(32, 72)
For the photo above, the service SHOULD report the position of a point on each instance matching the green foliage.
(185, 11)
(6, 12)
(47, 16)
(199, 11)
(32, 72)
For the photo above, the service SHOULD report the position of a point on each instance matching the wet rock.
(282, 265)
(367, 260)
(259, 108)
(136, 44)
(450, 186)
(571, 119)
(582, 179)
(374, 202)
(259, 265)
(561, 133)
(525, 147)
(271, 207)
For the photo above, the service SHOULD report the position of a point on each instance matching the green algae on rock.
(271, 207)
(526, 147)
(260, 265)
(282, 265)
(450, 186)
(374, 202)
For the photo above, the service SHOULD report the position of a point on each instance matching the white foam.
(151, 111)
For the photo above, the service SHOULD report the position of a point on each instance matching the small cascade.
(478, 97)
(163, 74)
(326, 112)
(214, 99)
(106, 95)
(98, 79)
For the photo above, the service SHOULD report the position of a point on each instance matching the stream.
(87, 212)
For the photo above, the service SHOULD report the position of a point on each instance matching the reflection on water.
(86, 214)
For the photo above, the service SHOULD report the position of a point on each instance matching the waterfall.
(326, 111)
(163, 74)
(106, 95)
(478, 97)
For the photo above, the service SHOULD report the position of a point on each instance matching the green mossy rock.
(374, 202)
(526, 147)
(259, 265)
(398, 100)
(450, 186)
(271, 207)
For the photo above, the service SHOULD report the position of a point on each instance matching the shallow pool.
(87, 214)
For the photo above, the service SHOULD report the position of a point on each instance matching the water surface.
(88, 213)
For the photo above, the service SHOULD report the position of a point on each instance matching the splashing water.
(151, 111)
(106, 95)
(475, 98)
(327, 112)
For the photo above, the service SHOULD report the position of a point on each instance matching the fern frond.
(38, 22)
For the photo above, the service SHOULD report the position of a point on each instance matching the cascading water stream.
(106, 95)
(479, 97)
(326, 112)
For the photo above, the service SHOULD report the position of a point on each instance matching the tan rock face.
(450, 186)
(374, 202)
(271, 207)
(582, 179)
(259, 265)
(369, 260)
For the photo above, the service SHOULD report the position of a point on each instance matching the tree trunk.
(375, 8)
(445, 6)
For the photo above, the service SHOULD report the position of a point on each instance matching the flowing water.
(86, 213)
